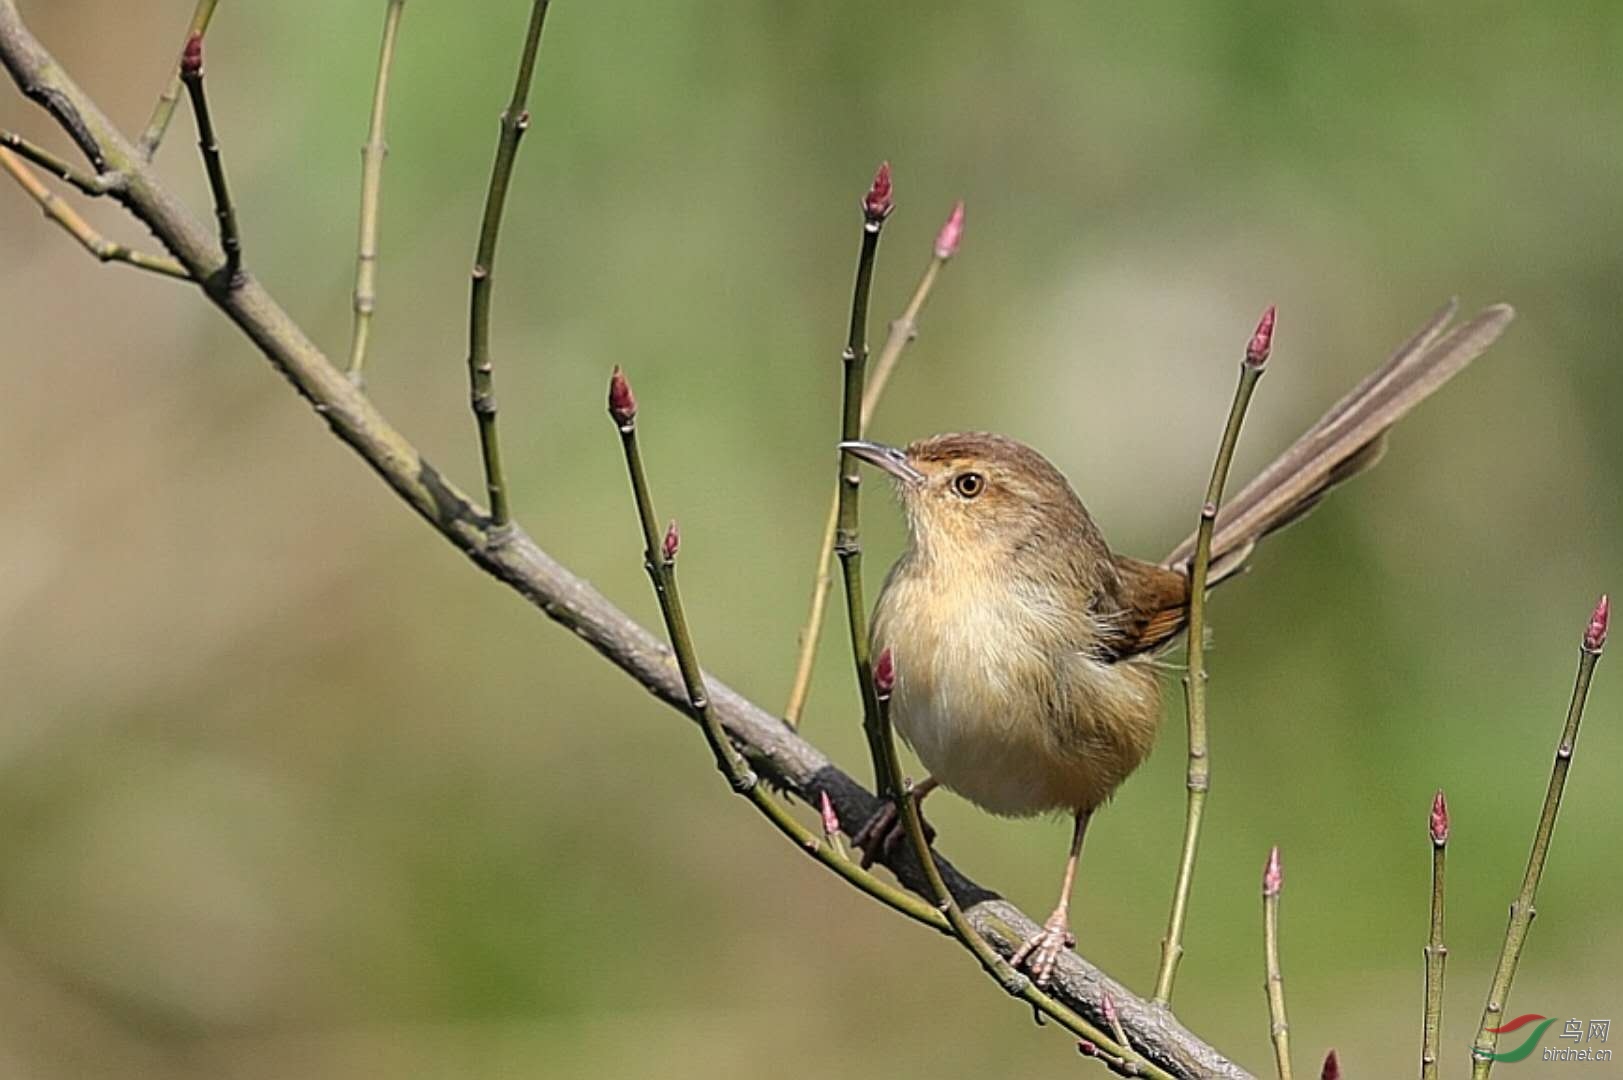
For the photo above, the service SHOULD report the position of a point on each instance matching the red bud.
(877, 205)
(1332, 1067)
(884, 675)
(1262, 341)
(1273, 878)
(831, 820)
(673, 540)
(622, 402)
(1439, 819)
(946, 241)
(1595, 635)
(191, 57)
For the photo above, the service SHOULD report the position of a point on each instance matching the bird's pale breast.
(997, 692)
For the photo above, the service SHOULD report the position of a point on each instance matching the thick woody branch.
(513, 558)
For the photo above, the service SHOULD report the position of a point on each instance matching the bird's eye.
(969, 484)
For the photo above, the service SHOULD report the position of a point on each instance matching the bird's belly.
(991, 721)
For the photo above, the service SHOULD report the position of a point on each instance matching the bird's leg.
(1042, 950)
(885, 829)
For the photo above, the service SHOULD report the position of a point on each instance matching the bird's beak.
(888, 458)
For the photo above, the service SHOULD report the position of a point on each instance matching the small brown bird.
(1024, 648)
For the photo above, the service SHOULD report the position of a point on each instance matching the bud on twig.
(1332, 1067)
(877, 205)
(622, 402)
(1262, 341)
(1439, 819)
(831, 819)
(946, 241)
(1595, 635)
(1107, 1005)
(672, 541)
(884, 675)
(1273, 879)
(191, 57)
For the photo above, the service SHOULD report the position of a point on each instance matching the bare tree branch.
(512, 557)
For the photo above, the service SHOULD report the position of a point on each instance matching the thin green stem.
(902, 331)
(847, 539)
(56, 209)
(1198, 778)
(1436, 951)
(373, 154)
(164, 110)
(1011, 980)
(1522, 911)
(191, 73)
(1274, 985)
(514, 122)
(743, 780)
(85, 182)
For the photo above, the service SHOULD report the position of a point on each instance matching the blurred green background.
(287, 789)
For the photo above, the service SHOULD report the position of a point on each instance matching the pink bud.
(831, 820)
(946, 241)
(876, 205)
(1107, 1005)
(622, 402)
(884, 675)
(1273, 878)
(1439, 819)
(1595, 635)
(191, 57)
(1262, 342)
(1332, 1067)
(673, 540)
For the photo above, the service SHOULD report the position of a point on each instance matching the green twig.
(1198, 780)
(191, 73)
(902, 332)
(659, 558)
(876, 207)
(515, 121)
(1273, 882)
(1522, 911)
(372, 156)
(164, 110)
(57, 210)
(1116, 1052)
(85, 182)
(1436, 951)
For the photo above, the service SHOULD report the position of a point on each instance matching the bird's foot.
(1042, 950)
(881, 833)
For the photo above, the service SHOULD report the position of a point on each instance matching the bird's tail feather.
(1348, 439)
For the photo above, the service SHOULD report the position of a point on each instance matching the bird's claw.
(1042, 950)
(883, 831)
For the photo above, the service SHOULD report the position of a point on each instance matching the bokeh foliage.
(290, 790)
